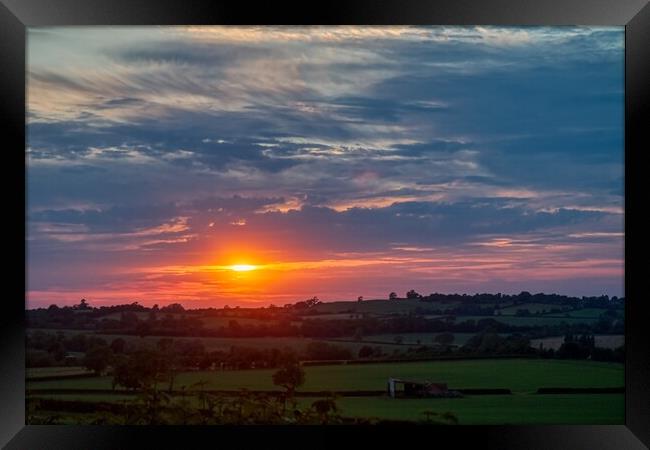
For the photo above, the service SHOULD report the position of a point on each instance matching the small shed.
(73, 358)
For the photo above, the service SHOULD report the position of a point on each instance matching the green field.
(471, 410)
(297, 344)
(519, 375)
(215, 322)
(522, 376)
(532, 307)
(36, 372)
(590, 313)
(90, 397)
(534, 321)
(497, 409)
(412, 338)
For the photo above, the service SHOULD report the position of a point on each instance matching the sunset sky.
(334, 162)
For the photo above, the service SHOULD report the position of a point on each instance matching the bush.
(97, 359)
(492, 343)
(290, 377)
(140, 370)
(366, 352)
(118, 345)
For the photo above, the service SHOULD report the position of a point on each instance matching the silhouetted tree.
(83, 304)
(312, 302)
(325, 408)
(290, 377)
(141, 370)
(173, 308)
(97, 359)
(412, 294)
(143, 329)
(118, 345)
(366, 351)
(358, 334)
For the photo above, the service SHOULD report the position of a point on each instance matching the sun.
(243, 267)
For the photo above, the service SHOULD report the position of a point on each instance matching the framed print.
(267, 223)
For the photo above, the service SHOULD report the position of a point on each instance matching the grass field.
(297, 344)
(519, 375)
(412, 338)
(218, 322)
(522, 376)
(530, 321)
(333, 316)
(589, 313)
(36, 372)
(143, 315)
(497, 409)
(90, 397)
(532, 307)
(471, 410)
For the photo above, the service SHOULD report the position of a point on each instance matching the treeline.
(130, 323)
(494, 345)
(97, 354)
(120, 356)
(487, 300)
(602, 301)
(583, 347)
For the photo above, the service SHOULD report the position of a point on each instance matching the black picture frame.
(16, 15)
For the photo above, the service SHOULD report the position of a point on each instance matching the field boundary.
(61, 377)
(336, 362)
(604, 390)
(348, 393)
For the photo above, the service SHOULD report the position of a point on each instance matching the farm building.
(409, 388)
(73, 358)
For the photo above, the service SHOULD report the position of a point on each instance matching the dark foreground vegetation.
(153, 378)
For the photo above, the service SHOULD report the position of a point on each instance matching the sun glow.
(242, 267)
